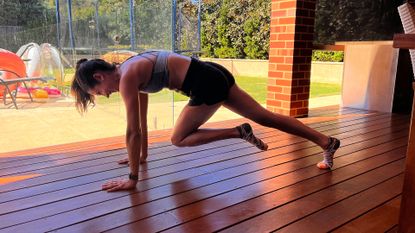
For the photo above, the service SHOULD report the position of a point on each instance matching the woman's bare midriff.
(178, 66)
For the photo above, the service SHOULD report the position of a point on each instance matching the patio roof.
(227, 185)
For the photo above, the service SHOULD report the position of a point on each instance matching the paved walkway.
(56, 122)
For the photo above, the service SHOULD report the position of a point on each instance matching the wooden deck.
(226, 186)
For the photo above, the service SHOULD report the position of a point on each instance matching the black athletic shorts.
(206, 83)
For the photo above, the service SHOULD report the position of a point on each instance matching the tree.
(236, 29)
(356, 20)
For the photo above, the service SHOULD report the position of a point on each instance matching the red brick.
(288, 60)
(273, 37)
(271, 81)
(310, 5)
(297, 104)
(293, 113)
(299, 59)
(302, 13)
(300, 44)
(278, 13)
(305, 21)
(270, 95)
(289, 44)
(274, 103)
(273, 51)
(285, 97)
(305, 67)
(275, 74)
(284, 67)
(286, 105)
(291, 12)
(278, 59)
(304, 82)
(272, 67)
(297, 90)
(288, 75)
(285, 52)
(274, 44)
(288, 4)
(276, 89)
(290, 28)
(286, 90)
(283, 82)
(303, 96)
(288, 20)
(301, 112)
(298, 75)
(286, 36)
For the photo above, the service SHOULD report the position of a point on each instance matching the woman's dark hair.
(83, 81)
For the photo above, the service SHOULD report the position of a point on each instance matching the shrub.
(327, 56)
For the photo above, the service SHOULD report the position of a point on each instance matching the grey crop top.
(160, 74)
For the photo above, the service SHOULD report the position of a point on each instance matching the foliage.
(356, 20)
(328, 56)
(22, 12)
(236, 29)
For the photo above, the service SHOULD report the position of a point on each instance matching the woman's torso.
(149, 70)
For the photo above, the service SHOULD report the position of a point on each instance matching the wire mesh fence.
(93, 28)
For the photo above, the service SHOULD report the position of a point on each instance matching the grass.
(255, 86)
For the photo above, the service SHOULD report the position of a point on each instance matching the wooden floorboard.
(380, 219)
(223, 186)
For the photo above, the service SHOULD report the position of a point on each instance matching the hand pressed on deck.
(117, 185)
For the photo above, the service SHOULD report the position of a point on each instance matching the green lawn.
(256, 87)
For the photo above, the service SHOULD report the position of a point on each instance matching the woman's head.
(87, 82)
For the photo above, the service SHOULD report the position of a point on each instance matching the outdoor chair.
(13, 74)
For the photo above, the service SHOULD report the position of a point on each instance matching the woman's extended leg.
(186, 131)
(242, 103)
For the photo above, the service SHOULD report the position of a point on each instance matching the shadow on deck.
(225, 186)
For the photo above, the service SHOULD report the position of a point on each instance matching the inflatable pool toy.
(24, 90)
(40, 93)
(51, 63)
(53, 92)
(30, 53)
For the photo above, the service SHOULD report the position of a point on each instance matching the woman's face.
(108, 83)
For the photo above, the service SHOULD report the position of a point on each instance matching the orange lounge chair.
(13, 74)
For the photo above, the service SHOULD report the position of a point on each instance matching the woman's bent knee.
(177, 141)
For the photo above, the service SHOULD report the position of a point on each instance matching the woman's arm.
(129, 93)
(143, 99)
(143, 103)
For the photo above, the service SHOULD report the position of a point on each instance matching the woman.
(208, 85)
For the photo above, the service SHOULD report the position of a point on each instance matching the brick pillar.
(291, 43)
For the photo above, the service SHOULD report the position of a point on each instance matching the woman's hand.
(117, 185)
(123, 161)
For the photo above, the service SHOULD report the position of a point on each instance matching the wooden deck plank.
(35, 189)
(27, 166)
(155, 160)
(97, 197)
(33, 182)
(316, 158)
(340, 212)
(97, 145)
(154, 136)
(207, 224)
(188, 189)
(380, 219)
(296, 210)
